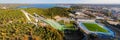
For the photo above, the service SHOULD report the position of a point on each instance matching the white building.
(97, 17)
(81, 14)
(4, 8)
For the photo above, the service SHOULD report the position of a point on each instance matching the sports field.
(94, 27)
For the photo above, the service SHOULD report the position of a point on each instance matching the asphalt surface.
(73, 35)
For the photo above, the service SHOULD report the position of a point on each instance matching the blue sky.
(63, 1)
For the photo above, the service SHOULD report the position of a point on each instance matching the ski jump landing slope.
(54, 24)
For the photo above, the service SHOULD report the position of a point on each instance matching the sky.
(63, 1)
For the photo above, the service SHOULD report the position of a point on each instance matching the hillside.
(14, 25)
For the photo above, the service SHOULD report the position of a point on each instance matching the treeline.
(49, 12)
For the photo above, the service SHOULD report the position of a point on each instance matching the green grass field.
(94, 27)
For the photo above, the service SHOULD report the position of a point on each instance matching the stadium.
(95, 29)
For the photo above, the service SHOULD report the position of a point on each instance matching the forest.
(14, 25)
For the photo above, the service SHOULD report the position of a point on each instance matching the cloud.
(64, 1)
(39, 1)
(102, 1)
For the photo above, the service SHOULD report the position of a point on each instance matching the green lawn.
(94, 27)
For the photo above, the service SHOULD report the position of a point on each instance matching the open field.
(94, 27)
